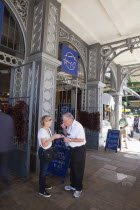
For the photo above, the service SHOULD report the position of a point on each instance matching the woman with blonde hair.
(45, 139)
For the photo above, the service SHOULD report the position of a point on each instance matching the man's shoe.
(48, 187)
(69, 188)
(45, 194)
(77, 194)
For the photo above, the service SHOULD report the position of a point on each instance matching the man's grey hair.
(68, 115)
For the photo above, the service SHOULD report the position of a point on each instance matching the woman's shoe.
(45, 194)
(48, 187)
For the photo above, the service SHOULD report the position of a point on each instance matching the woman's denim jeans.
(43, 171)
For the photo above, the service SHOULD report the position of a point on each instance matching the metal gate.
(23, 87)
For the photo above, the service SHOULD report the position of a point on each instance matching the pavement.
(111, 182)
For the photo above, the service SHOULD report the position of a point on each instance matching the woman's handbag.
(50, 154)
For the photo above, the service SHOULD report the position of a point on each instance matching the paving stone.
(134, 197)
(110, 175)
(110, 167)
(122, 164)
(126, 171)
(131, 206)
(105, 172)
(135, 157)
(100, 158)
(129, 181)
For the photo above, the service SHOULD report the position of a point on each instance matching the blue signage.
(113, 140)
(69, 60)
(59, 167)
(1, 17)
(64, 108)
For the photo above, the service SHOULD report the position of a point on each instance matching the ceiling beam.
(61, 1)
(115, 17)
(76, 23)
(135, 78)
(135, 75)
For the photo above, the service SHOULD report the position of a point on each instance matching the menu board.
(59, 167)
(113, 140)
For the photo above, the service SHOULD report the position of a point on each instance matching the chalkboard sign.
(113, 140)
(59, 167)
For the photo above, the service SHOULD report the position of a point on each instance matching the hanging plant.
(90, 121)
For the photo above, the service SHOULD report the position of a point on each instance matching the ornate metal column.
(94, 85)
(44, 49)
(95, 104)
(94, 97)
(118, 109)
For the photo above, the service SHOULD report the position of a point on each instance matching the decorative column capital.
(97, 83)
(117, 94)
(45, 57)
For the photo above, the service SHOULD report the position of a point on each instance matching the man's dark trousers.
(77, 166)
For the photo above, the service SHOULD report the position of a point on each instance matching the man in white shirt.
(75, 138)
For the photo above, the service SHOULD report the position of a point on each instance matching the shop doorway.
(68, 99)
(18, 91)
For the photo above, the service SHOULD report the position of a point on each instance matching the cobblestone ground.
(111, 182)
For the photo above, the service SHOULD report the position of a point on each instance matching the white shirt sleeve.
(42, 134)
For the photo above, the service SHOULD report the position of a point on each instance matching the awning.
(108, 100)
(132, 92)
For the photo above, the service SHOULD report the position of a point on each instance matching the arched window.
(12, 41)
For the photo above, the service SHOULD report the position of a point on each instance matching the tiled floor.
(111, 182)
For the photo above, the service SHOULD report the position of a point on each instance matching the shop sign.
(69, 60)
(113, 140)
(126, 110)
(1, 17)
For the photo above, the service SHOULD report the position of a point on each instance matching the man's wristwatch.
(70, 139)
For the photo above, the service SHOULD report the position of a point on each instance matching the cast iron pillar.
(118, 109)
(94, 85)
(44, 50)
